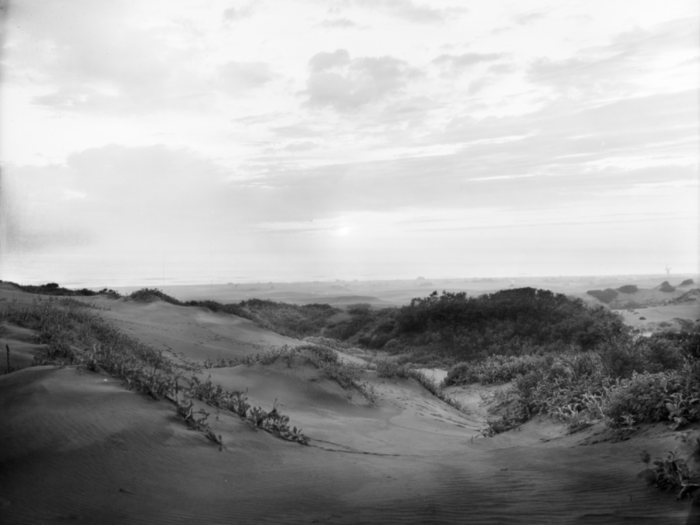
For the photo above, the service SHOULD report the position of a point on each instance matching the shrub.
(459, 374)
(628, 288)
(148, 295)
(621, 358)
(655, 397)
(673, 473)
(389, 368)
(604, 296)
(666, 287)
(662, 354)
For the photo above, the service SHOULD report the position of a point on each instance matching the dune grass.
(76, 335)
(347, 375)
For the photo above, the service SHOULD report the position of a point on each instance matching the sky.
(173, 142)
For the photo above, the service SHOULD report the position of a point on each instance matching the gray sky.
(173, 141)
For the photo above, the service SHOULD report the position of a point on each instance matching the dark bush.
(604, 296)
(628, 288)
(149, 295)
(666, 287)
(510, 322)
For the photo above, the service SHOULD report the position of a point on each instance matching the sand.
(77, 447)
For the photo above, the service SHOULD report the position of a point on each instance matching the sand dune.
(76, 446)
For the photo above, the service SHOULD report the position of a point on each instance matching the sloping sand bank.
(77, 447)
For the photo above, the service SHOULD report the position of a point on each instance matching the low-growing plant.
(674, 472)
(390, 368)
(645, 397)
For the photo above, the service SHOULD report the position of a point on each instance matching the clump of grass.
(264, 358)
(347, 375)
(435, 389)
(237, 403)
(389, 369)
(148, 295)
(494, 369)
(675, 472)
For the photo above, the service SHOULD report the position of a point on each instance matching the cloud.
(101, 63)
(233, 14)
(338, 23)
(243, 76)
(305, 145)
(529, 18)
(627, 64)
(323, 61)
(354, 83)
(409, 10)
(113, 196)
(466, 59)
(479, 84)
(501, 69)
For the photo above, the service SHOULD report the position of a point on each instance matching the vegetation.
(55, 289)
(77, 336)
(149, 295)
(628, 288)
(624, 382)
(676, 472)
(667, 287)
(604, 296)
(510, 322)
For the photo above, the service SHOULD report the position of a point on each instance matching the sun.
(343, 231)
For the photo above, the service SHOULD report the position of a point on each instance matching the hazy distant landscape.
(647, 301)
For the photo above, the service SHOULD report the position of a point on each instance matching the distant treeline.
(55, 289)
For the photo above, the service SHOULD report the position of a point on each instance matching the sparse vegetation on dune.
(347, 375)
(78, 336)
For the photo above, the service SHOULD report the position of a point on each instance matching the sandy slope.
(78, 447)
